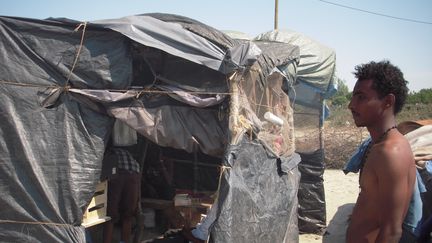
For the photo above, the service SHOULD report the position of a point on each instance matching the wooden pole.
(234, 108)
(276, 14)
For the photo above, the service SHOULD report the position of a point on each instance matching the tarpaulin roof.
(165, 76)
(317, 67)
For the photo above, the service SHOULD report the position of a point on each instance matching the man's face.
(365, 105)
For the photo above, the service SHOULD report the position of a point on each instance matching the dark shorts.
(123, 194)
(407, 236)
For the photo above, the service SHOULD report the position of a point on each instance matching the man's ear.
(389, 100)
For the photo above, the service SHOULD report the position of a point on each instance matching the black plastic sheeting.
(312, 209)
(51, 153)
(53, 132)
(50, 164)
(257, 197)
(51, 159)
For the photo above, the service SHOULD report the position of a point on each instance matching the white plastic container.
(273, 118)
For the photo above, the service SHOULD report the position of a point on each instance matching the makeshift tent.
(178, 83)
(316, 81)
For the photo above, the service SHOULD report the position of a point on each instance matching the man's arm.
(393, 169)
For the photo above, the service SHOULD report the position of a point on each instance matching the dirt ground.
(340, 194)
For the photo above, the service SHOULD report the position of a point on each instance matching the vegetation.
(417, 106)
(341, 137)
(424, 96)
(343, 95)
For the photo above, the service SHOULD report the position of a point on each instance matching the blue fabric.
(200, 233)
(353, 164)
(421, 185)
(415, 209)
(429, 166)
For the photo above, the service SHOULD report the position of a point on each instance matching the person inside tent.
(124, 183)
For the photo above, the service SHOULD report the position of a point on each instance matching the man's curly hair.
(387, 79)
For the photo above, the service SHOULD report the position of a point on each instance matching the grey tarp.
(317, 67)
(170, 38)
(57, 111)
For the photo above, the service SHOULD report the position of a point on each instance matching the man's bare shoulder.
(394, 151)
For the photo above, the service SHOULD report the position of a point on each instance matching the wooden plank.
(97, 208)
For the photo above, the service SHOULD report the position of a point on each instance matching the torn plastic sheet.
(257, 196)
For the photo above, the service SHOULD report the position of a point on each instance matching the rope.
(222, 170)
(3, 221)
(27, 85)
(84, 25)
(139, 93)
(143, 91)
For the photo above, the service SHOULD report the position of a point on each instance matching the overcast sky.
(358, 31)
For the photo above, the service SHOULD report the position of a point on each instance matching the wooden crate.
(96, 210)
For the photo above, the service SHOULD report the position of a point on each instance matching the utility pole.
(276, 14)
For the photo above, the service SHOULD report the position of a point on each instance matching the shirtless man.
(388, 174)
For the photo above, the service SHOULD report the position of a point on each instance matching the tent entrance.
(177, 188)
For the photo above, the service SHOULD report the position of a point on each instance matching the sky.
(358, 31)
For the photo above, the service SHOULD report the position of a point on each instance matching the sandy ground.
(340, 194)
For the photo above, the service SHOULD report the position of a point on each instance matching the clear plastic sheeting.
(267, 97)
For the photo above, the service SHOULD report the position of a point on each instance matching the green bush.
(424, 96)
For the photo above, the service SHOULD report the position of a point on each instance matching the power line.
(379, 14)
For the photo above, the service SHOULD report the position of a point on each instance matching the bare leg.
(126, 229)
